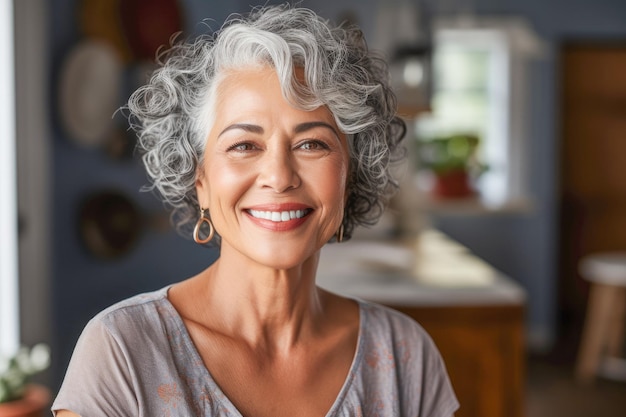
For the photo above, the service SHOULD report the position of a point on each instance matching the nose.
(279, 170)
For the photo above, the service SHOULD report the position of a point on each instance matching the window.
(9, 314)
(480, 82)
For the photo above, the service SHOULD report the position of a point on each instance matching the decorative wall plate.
(90, 91)
(109, 224)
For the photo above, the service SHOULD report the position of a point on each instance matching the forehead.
(256, 78)
(252, 78)
(258, 89)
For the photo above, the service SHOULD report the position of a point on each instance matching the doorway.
(593, 169)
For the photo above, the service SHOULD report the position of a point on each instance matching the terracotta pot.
(452, 184)
(35, 403)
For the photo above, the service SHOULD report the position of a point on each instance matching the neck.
(272, 309)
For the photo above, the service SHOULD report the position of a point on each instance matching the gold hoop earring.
(196, 229)
(339, 234)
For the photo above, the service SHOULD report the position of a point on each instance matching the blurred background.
(516, 113)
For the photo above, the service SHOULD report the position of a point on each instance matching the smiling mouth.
(279, 216)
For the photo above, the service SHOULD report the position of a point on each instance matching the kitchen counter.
(432, 271)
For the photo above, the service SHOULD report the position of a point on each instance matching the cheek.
(227, 181)
(331, 181)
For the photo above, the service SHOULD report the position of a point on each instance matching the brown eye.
(313, 145)
(242, 147)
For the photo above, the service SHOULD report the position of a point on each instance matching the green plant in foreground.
(15, 371)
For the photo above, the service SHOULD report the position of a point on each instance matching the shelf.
(472, 206)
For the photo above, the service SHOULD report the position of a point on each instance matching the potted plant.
(19, 397)
(454, 163)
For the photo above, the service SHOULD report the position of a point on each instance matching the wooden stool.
(603, 335)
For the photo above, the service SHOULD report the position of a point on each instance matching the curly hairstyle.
(172, 115)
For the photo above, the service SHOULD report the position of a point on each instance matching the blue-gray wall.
(522, 245)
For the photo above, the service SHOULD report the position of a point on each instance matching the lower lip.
(278, 226)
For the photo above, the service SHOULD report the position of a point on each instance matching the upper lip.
(279, 207)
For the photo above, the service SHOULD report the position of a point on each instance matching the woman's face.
(273, 176)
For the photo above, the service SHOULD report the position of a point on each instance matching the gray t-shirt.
(137, 359)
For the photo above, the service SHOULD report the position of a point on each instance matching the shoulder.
(142, 307)
(136, 318)
(138, 301)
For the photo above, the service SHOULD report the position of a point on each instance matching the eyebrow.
(243, 126)
(302, 127)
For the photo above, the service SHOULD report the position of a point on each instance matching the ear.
(347, 187)
(202, 189)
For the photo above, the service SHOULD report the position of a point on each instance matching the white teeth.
(278, 216)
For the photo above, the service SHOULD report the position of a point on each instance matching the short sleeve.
(99, 380)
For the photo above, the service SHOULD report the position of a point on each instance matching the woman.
(273, 137)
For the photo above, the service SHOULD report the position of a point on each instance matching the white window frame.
(9, 293)
(512, 44)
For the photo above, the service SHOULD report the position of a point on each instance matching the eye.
(313, 145)
(242, 147)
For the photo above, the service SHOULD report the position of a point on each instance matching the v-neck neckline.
(215, 389)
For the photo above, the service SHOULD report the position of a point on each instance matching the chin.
(281, 259)
(283, 264)
(276, 253)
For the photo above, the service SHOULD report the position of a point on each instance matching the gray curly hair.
(172, 114)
